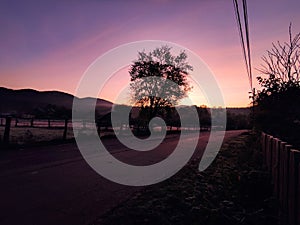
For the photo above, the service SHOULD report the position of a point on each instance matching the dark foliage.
(277, 104)
(159, 63)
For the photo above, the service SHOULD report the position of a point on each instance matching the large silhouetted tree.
(159, 63)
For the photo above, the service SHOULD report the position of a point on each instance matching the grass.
(235, 189)
(29, 135)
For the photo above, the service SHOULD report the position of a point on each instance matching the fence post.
(298, 199)
(293, 184)
(273, 159)
(7, 130)
(281, 172)
(269, 152)
(65, 129)
(275, 165)
(286, 166)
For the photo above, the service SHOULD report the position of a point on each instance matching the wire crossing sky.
(246, 49)
(48, 45)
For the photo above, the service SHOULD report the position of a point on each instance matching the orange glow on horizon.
(55, 53)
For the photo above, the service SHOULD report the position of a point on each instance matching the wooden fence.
(8, 122)
(103, 125)
(283, 162)
(53, 124)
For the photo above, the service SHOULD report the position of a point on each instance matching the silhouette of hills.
(26, 101)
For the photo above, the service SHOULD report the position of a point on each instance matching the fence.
(10, 123)
(12, 129)
(33, 127)
(283, 162)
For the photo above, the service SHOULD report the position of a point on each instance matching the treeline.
(140, 117)
(52, 111)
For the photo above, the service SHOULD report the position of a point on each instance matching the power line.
(247, 39)
(245, 48)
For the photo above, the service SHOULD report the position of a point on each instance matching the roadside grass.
(29, 135)
(235, 189)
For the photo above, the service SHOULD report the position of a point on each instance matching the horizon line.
(65, 92)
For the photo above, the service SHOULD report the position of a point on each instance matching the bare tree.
(278, 111)
(282, 63)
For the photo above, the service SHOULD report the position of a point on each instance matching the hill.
(26, 101)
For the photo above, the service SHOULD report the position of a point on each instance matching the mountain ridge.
(25, 101)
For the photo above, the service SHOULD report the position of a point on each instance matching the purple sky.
(47, 45)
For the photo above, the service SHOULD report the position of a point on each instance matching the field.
(29, 135)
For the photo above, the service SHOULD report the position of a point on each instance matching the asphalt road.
(54, 184)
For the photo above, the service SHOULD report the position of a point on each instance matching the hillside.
(25, 101)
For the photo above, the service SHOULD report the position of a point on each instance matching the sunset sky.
(48, 45)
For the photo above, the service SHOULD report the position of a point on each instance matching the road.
(54, 184)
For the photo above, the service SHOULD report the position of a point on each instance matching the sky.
(48, 45)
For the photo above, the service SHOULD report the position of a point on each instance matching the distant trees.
(159, 63)
(237, 121)
(204, 116)
(278, 109)
(51, 111)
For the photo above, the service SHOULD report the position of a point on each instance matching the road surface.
(54, 184)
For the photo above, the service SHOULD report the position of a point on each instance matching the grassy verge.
(29, 135)
(235, 189)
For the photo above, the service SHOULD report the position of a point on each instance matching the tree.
(159, 63)
(281, 65)
(278, 111)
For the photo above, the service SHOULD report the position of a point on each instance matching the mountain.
(26, 101)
